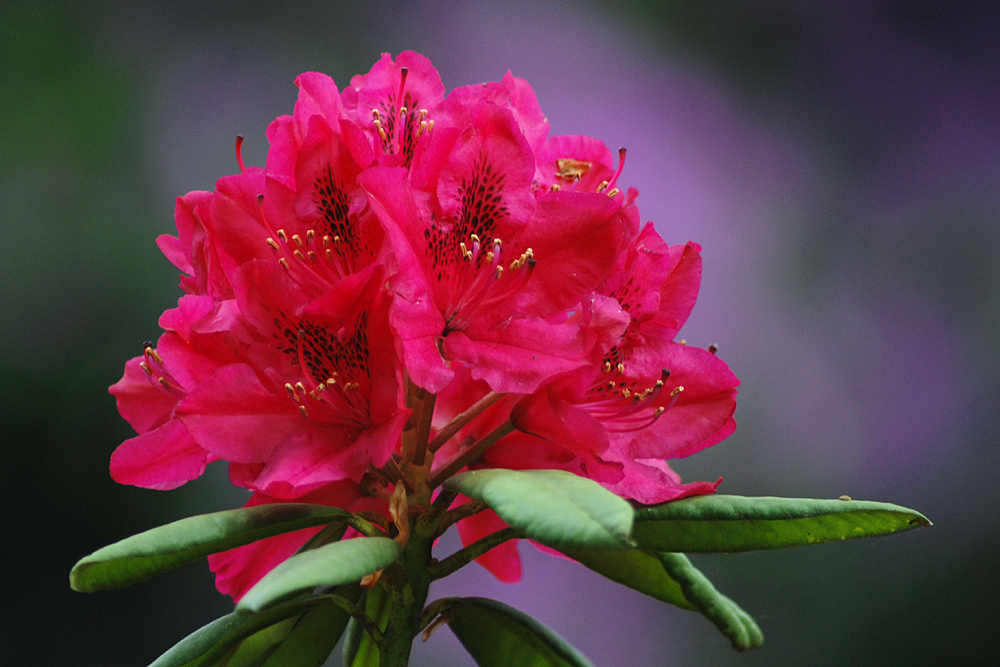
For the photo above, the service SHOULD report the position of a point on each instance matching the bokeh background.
(839, 162)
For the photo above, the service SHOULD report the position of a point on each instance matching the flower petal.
(163, 458)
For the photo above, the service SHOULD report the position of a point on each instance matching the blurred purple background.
(840, 168)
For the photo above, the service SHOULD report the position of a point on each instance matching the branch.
(424, 426)
(470, 553)
(469, 456)
(370, 626)
(453, 516)
(456, 424)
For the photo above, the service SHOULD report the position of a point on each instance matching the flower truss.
(425, 311)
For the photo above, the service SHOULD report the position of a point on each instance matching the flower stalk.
(470, 455)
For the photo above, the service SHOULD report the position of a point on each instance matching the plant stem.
(471, 455)
(456, 424)
(409, 586)
(465, 556)
(453, 516)
(370, 626)
(424, 426)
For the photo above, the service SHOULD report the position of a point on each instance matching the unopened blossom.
(410, 264)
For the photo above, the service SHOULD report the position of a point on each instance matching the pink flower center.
(478, 280)
(156, 373)
(336, 380)
(313, 264)
(622, 403)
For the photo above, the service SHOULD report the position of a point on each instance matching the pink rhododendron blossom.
(417, 280)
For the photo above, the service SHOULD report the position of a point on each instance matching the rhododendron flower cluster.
(414, 285)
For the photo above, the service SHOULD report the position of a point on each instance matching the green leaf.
(496, 635)
(673, 579)
(637, 569)
(737, 625)
(165, 548)
(554, 507)
(330, 565)
(359, 649)
(716, 523)
(313, 638)
(258, 647)
(213, 642)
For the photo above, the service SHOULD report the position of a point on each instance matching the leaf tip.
(76, 579)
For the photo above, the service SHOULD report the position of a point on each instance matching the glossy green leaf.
(737, 625)
(312, 639)
(554, 507)
(496, 635)
(214, 642)
(733, 523)
(256, 649)
(331, 565)
(359, 649)
(165, 548)
(637, 569)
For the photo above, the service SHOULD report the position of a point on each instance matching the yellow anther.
(283, 236)
(375, 115)
(156, 355)
(311, 237)
(329, 255)
(614, 192)
(659, 411)
(626, 393)
(555, 187)
(312, 256)
(326, 240)
(284, 264)
(499, 271)
(274, 244)
(571, 169)
(305, 413)
(145, 367)
(298, 253)
(600, 188)
(301, 387)
(675, 391)
(474, 237)
(606, 367)
(620, 367)
(297, 239)
(163, 383)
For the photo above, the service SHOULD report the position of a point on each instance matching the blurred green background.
(840, 166)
